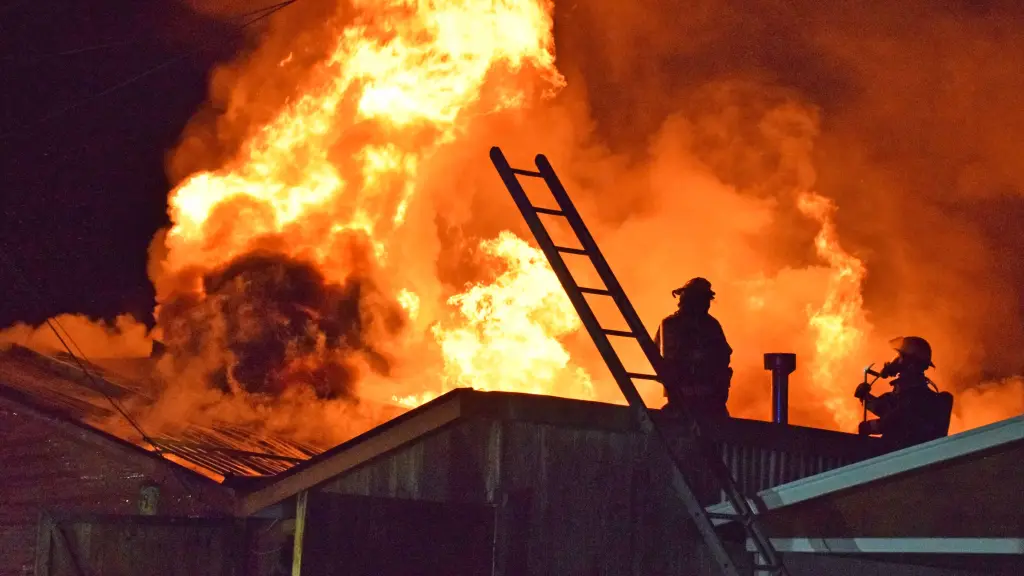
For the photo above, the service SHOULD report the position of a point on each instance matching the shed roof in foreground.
(145, 461)
(960, 494)
(465, 403)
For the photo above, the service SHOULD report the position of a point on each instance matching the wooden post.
(300, 530)
(43, 544)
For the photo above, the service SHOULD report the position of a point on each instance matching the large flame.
(346, 157)
(839, 322)
(407, 74)
(343, 157)
(507, 334)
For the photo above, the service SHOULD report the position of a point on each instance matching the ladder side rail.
(709, 452)
(625, 383)
(558, 265)
(600, 264)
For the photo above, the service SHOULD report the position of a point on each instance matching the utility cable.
(53, 323)
(158, 449)
(260, 14)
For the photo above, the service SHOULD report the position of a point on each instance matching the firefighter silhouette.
(695, 369)
(912, 413)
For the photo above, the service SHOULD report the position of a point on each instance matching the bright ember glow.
(413, 70)
(839, 322)
(507, 334)
(343, 157)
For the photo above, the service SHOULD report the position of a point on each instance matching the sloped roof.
(57, 386)
(142, 460)
(756, 447)
(963, 486)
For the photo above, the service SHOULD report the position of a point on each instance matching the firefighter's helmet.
(914, 347)
(696, 287)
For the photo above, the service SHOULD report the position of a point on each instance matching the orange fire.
(407, 75)
(839, 322)
(343, 158)
(507, 333)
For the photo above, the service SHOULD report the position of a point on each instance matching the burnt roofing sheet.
(58, 385)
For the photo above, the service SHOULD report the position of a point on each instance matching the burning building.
(478, 483)
(336, 240)
(337, 254)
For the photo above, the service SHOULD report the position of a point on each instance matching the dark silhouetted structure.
(781, 364)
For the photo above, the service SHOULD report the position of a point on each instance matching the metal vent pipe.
(782, 364)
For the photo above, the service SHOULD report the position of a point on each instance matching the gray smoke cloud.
(919, 109)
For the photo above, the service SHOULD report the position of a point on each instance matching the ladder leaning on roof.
(744, 515)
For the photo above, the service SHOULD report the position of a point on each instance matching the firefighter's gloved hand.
(868, 427)
(862, 391)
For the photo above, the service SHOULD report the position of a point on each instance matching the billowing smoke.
(125, 337)
(691, 136)
(265, 323)
(906, 115)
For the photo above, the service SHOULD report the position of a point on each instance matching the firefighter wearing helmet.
(912, 413)
(696, 354)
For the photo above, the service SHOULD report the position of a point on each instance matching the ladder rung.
(527, 173)
(643, 376)
(551, 211)
(768, 560)
(568, 250)
(724, 516)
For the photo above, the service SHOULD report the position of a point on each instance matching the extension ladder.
(743, 514)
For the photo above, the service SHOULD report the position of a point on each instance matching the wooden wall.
(358, 535)
(50, 464)
(80, 545)
(568, 500)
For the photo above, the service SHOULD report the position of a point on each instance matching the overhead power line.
(64, 339)
(80, 360)
(253, 17)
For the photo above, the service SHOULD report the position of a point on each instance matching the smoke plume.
(125, 337)
(905, 115)
(841, 175)
(264, 323)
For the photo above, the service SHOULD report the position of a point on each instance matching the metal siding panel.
(758, 468)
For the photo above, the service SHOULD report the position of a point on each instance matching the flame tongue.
(507, 334)
(839, 322)
(328, 182)
(344, 154)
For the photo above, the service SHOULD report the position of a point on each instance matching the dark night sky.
(84, 191)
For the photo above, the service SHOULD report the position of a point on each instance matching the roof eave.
(889, 465)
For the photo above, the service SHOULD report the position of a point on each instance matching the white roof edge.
(886, 465)
(1013, 546)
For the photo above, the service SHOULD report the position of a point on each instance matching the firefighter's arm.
(878, 405)
(881, 406)
(721, 342)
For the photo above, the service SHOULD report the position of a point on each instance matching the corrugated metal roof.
(58, 385)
